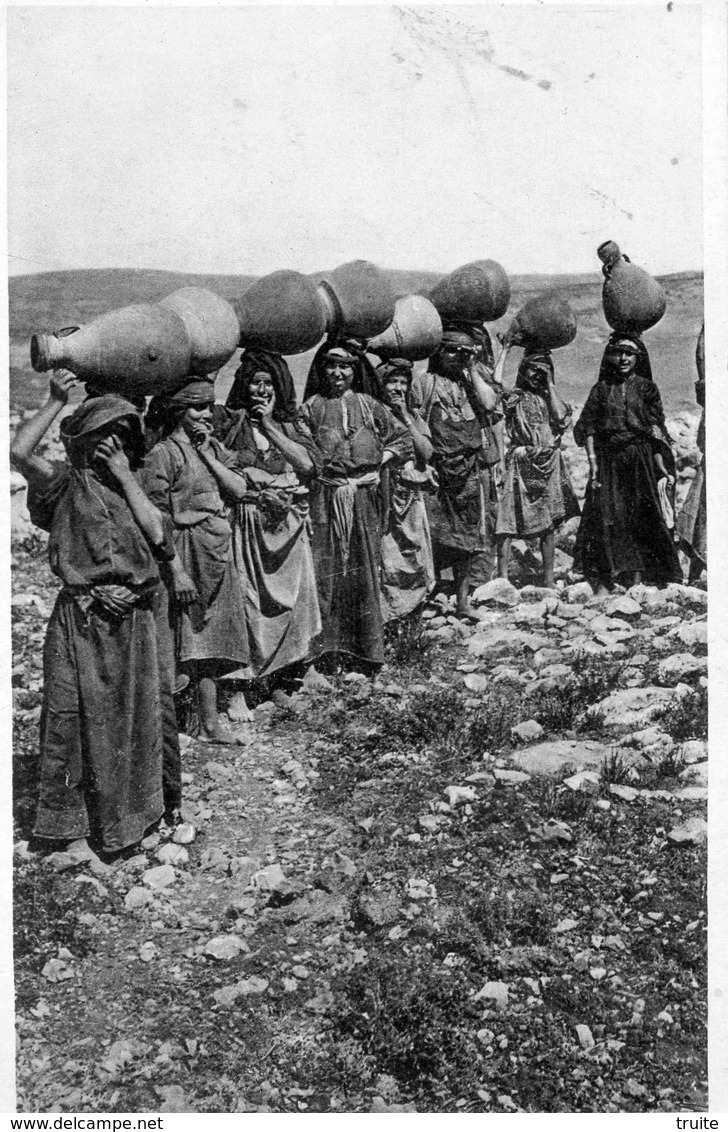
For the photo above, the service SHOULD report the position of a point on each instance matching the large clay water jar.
(415, 332)
(281, 312)
(633, 301)
(211, 324)
(137, 351)
(476, 292)
(546, 321)
(357, 299)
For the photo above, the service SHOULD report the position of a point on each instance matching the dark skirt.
(348, 592)
(622, 528)
(110, 761)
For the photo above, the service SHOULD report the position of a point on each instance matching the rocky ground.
(475, 884)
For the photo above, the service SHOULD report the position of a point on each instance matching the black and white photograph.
(359, 559)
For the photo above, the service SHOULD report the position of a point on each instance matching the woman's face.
(339, 376)
(395, 389)
(196, 418)
(533, 378)
(622, 360)
(116, 428)
(453, 358)
(260, 394)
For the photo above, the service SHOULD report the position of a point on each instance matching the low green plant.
(411, 1017)
(687, 717)
(408, 646)
(615, 768)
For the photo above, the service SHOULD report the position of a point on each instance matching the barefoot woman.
(109, 749)
(194, 480)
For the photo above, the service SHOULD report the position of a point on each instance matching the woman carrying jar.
(356, 437)
(623, 535)
(272, 529)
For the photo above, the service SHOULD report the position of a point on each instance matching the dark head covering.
(197, 392)
(643, 368)
(96, 414)
(394, 365)
(453, 334)
(164, 409)
(540, 360)
(253, 361)
(365, 377)
(481, 338)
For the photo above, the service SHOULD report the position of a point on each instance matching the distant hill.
(51, 300)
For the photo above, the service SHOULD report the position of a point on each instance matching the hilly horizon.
(50, 300)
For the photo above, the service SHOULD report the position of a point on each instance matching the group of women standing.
(207, 539)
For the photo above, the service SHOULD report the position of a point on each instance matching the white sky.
(245, 139)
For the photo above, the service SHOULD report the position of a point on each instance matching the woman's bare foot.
(221, 733)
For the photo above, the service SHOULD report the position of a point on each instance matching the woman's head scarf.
(482, 339)
(97, 414)
(539, 360)
(394, 365)
(453, 334)
(365, 376)
(166, 408)
(389, 367)
(643, 367)
(256, 360)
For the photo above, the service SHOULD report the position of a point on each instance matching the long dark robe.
(622, 527)
(181, 485)
(352, 434)
(110, 762)
(272, 551)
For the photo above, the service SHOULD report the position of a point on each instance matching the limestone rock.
(496, 992)
(160, 877)
(692, 634)
(625, 608)
(137, 898)
(476, 682)
(499, 591)
(585, 782)
(459, 795)
(628, 709)
(511, 777)
(270, 879)
(498, 641)
(692, 832)
(184, 834)
(225, 947)
(553, 830)
(681, 666)
(626, 793)
(527, 731)
(171, 854)
(695, 750)
(689, 597)
(554, 756)
(419, 889)
(578, 593)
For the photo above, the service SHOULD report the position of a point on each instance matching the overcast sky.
(246, 139)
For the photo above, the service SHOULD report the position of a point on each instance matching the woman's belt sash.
(342, 507)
